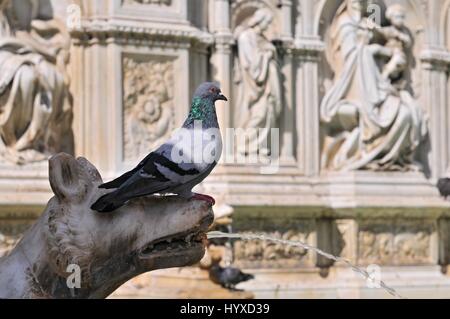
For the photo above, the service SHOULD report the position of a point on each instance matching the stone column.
(436, 63)
(287, 120)
(222, 55)
(286, 19)
(307, 49)
(435, 60)
(307, 104)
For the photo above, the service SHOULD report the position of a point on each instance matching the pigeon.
(444, 187)
(228, 277)
(180, 163)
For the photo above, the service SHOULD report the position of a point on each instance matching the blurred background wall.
(349, 100)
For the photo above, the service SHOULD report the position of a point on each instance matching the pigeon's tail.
(107, 203)
(245, 277)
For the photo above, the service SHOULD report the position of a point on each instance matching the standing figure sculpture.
(370, 123)
(259, 98)
(35, 104)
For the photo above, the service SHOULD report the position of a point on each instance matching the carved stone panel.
(403, 243)
(266, 254)
(35, 102)
(148, 117)
(380, 124)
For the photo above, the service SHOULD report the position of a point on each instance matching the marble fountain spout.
(103, 250)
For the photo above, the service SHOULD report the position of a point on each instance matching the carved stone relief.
(148, 104)
(405, 243)
(258, 82)
(268, 254)
(370, 115)
(35, 103)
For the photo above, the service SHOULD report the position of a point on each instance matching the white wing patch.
(173, 176)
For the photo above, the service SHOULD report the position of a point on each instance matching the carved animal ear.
(67, 178)
(90, 170)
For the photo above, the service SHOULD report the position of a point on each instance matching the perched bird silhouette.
(179, 164)
(227, 277)
(444, 187)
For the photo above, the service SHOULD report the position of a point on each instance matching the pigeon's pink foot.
(205, 198)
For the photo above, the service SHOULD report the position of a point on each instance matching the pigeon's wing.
(215, 275)
(163, 150)
(234, 275)
(181, 162)
(231, 274)
(157, 175)
(116, 183)
(173, 166)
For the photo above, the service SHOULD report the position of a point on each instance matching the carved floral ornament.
(148, 104)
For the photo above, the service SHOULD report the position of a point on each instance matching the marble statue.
(399, 40)
(35, 104)
(106, 251)
(371, 122)
(259, 99)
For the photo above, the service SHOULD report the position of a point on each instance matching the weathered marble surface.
(370, 115)
(113, 62)
(35, 102)
(258, 78)
(107, 249)
(149, 112)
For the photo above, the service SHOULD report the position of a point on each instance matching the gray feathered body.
(175, 167)
(228, 277)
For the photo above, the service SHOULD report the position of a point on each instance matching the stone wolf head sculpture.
(104, 251)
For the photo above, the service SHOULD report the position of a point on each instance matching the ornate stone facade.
(257, 77)
(357, 163)
(377, 125)
(148, 105)
(262, 254)
(404, 243)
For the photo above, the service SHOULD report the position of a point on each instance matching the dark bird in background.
(160, 172)
(444, 187)
(227, 277)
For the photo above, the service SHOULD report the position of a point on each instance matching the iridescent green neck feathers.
(202, 110)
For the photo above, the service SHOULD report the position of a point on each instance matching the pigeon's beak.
(222, 97)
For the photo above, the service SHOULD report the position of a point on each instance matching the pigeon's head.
(210, 91)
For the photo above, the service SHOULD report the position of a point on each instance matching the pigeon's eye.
(213, 90)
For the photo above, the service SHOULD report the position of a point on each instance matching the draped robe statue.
(370, 123)
(35, 104)
(260, 97)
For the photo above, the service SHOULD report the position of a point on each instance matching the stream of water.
(358, 270)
